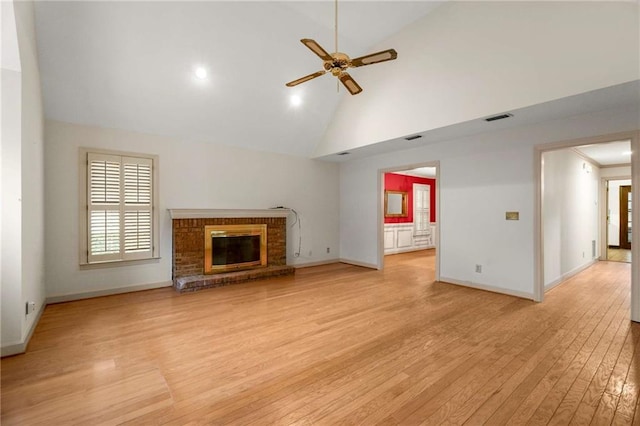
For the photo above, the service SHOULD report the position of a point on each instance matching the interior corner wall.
(11, 244)
(397, 182)
(191, 175)
(481, 177)
(570, 214)
(22, 187)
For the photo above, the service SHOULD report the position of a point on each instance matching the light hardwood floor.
(335, 344)
(618, 255)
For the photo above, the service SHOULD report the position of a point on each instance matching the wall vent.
(410, 138)
(498, 117)
(344, 153)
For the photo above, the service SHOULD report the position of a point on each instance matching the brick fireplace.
(188, 230)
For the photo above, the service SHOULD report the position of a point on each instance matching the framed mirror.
(395, 203)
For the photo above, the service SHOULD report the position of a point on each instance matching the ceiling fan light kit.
(337, 63)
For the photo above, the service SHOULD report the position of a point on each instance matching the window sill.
(117, 263)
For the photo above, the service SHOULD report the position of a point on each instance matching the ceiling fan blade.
(374, 58)
(350, 83)
(316, 48)
(305, 78)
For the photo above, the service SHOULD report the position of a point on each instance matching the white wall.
(22, 186)
(192, 175)
(481, 178)
(467, 60)
(11, 246)
(614, 211)
(570, 214)
(615, 172)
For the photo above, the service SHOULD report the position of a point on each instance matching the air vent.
(498, 117)
(410, 138)
(344, 153)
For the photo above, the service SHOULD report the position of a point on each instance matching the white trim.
(21, 347)
(319, 263)
(226, 213)
(635, 248)
(486, 287)
(564, 277)
(358, 263)
(108, 292)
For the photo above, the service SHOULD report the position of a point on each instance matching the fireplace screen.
(232, 247)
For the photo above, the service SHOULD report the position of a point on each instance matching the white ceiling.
(129, 65)
(608, 154)
(428, 172)
(618, 96)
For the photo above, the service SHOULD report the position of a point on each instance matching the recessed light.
(201, 73)
(295, 100)
(627, 153)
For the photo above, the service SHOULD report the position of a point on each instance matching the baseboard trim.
(320, 263)
(569, 274)
(408, 250)
(108, 292)
(21, 347)
(358, 263)
(485, 287)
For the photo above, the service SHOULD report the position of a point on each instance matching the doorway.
(408, 220)
(618, 219)
(632, 139)
(625, 217)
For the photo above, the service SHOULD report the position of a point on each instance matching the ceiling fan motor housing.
(338, 63)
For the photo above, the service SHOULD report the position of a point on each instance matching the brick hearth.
(188, 253)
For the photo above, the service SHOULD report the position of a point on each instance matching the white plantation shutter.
(137, 206)
(120, 207)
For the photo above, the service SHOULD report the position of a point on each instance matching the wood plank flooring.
(336, 344)
(618, 255)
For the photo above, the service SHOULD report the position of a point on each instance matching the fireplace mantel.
(227, 213)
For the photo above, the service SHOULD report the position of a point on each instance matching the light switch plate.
(513, 216)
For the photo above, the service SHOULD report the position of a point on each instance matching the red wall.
(395, 182)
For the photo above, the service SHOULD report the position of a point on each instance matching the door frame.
(634, 137)
(627, 245)
(604, 211)
(381, 173)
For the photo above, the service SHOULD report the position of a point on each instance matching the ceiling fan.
(337, 63)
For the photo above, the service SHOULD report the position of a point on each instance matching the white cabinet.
(399, 237)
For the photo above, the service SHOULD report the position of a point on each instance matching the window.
(121, 219)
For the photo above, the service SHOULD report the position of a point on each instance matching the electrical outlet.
(31, 307)
(310, 253)
(479, 269)
(328, 250)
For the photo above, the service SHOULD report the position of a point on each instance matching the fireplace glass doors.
(233, 247)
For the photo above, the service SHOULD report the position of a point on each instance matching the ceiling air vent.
(344, 153)
(498, 117)
(410, 138)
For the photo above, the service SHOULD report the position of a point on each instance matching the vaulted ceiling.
(130, 65)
